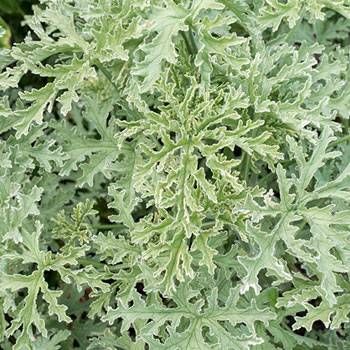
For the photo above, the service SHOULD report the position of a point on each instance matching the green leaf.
(212, 316)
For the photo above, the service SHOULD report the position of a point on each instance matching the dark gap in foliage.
(167, 302)
(108, 281)
(172, 136)
(340, 332)
(142, 211)
(264, 279)
(34, 172)
(104, 185)
(54, 33)
(302, 313)
(33, 81)
(76, 343)
(5, 135)
(59, 242)
(231, 154)
(201, 163)
(109, 119)
(84, 315)
(300, 331)
(128, 139)
(223, 324)
(79, 20)
(86, 296)
(12, 340)
(335, 252)
(132, 333)
(159, 338)
(103, 211)
(208, 334)
(8, 318)
(160, 141)
(96, 135)
(14, 20)
(82, 190)
(50, 131)
(154, 109)
(190, 242)
(237, 151)
(140, 288)
(277, 194)
(52, 248)
(52, 278)
(34, 266)
(12, 65)
(85, 124)
(51, 60)
(238, 29)
(228, 244)
(318, 326)
(317, 57)
(290, 321)
(299, 267)
(69, 118)
(66, 181)
(315, 302)
(317, 131)
(216, 35)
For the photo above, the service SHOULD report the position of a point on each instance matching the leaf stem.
(187, 42)
(108, 226)
(91, 262)
(190, 42)
(119, 100)
(245, 166)
(177, 82)
(341, 140)
(98, 265)
(107, 74)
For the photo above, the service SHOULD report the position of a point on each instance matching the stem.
(346, 128)
(187, 43)
(177, 82)
(245, 166)
(108, 75)
(91, 262)
(190, 42)
(341, 140)
(119, 101)
(108, 226)
(99, 265)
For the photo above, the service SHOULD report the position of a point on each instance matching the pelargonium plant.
(175, 174)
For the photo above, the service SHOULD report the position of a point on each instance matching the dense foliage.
(175, 174)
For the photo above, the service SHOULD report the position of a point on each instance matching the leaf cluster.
(176, 175)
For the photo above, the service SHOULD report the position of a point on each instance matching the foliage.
(175, 175)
